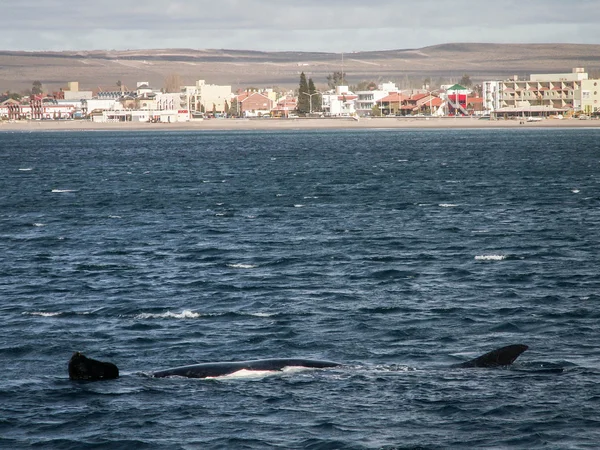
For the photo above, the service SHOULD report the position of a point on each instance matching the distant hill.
(239, 68)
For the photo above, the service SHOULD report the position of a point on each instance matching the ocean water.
(394, 252)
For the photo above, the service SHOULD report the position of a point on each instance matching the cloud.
(302, 25)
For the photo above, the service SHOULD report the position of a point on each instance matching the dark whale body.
(84, 368)
(504, 356)
(210, 370)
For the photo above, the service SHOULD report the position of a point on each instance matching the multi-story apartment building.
(367, 100)
(207, 97)
(490, 92)
(543, 94)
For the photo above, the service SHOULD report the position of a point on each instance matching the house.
(429, 104)
(392, 104)
(10, 109)
(285, 106)
(253, 104)
(339, 102)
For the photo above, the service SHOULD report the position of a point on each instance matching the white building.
(124, 115)
(101, 105)
(368, 99)
(589, 103)
(206, 97)
(72, 92)
(339, 102)
(491, 96)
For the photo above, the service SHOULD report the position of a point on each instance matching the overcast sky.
(291, 25)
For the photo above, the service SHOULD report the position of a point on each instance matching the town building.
(456, 100)
(339, 102)
(253, 104)
(207, 98)
(72, 92)
(285, 107)
(590, 97)
(368, 100)
(543, 95)
(490, 93)
(38, 107)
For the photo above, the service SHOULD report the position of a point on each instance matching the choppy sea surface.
(394, 252)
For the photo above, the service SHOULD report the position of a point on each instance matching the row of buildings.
(540, 95)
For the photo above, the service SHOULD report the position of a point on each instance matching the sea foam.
(490, 257)
(185, 314)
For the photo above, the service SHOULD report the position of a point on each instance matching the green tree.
(235, 108)
(303, 106)
(315, 98)
(335, 79)
(364, 86)
(36, 88)
(376, 111)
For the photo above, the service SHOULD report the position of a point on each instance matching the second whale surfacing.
(83, 368)
(504, 356)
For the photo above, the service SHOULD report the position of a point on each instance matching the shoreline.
(296, 124)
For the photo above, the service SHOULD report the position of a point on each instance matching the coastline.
(295, 124)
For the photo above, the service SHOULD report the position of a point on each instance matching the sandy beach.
(296, 124)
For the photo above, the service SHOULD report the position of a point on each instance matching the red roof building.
(254, 104)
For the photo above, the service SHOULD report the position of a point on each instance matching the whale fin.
(504, 356)
(83, 368)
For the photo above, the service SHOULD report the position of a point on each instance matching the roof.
(392, 97)
(457, 87)
(475, 100)
(418, 96)
(433, 100)
(10, 101)
(242, 99)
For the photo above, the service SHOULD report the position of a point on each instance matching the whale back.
(504, 356)
(219, 369)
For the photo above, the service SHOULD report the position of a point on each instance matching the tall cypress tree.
(303, 99)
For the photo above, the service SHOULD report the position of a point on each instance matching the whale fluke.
(504, 356)
(84, 368)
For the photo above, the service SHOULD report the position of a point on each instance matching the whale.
(87, 369)
(219, 369)
(83, 368)
(500, 357)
